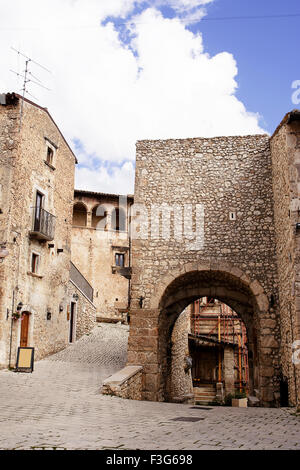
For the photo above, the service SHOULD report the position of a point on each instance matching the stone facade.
(85, 311)
(231, 178)
(36, 201)
(285, 146)
(96, 240)
(181, 385)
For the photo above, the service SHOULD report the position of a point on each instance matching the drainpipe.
(294, 366)
(129, 263)
(11, 325)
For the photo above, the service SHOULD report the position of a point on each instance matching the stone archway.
(151, 328)
(217, 284)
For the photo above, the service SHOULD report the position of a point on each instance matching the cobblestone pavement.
(59, 406)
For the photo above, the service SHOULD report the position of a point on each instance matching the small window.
(50, 155)
(35, 261)
(120, 259)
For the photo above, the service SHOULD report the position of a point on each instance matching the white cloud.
(116, 180)
(107, 94)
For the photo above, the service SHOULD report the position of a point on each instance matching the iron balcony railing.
(43, 224)
(80, 281)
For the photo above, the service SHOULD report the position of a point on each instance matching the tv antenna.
(28, 78)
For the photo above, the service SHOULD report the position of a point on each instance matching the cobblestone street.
(59, 406)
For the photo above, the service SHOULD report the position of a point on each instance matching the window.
(120, 260)
(39, 202)
(118, 220)
(99, 217)
(79, 215)
(50, 155)
(35, 261)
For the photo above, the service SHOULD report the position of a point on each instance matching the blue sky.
(266, 50)
(126, 70)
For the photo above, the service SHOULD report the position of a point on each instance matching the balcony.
(43, 225)
(125, 272)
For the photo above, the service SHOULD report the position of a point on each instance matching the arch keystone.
(262, 302)
(256, 288)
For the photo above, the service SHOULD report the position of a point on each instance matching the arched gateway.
(218, 217)
(206, 228)
(151, 329)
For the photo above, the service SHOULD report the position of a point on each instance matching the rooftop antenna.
(27, 78)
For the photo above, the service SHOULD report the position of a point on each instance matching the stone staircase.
(204, 394)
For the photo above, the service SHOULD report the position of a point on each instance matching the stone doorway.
(205, 365)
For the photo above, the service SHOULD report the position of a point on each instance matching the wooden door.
(24, 330)
(205, 364)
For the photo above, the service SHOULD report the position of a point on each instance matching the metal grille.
(80, 281)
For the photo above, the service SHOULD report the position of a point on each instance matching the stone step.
(204, 395)
(202, 401)
(204, 389)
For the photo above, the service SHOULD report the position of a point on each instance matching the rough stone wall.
(23, 156)
(85, 312)
(130, 388)
(93, 253)
(181, 382)
(9, 139)
(227, 175)
(285, 146)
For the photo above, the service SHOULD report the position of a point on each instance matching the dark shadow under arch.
(191, 286)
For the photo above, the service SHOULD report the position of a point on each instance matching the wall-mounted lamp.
(76, 297)
(19, 307)
(61, 308)
(298, 226)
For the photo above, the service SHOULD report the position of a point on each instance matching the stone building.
(101, 249)
(285, 151)
(243, 193)
(40, 299)
(212, 217)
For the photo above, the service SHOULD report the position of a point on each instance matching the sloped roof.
(11, 98)
(81, 192)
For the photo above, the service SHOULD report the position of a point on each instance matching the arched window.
(79, 215)
(99, 215)
(118, 220)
